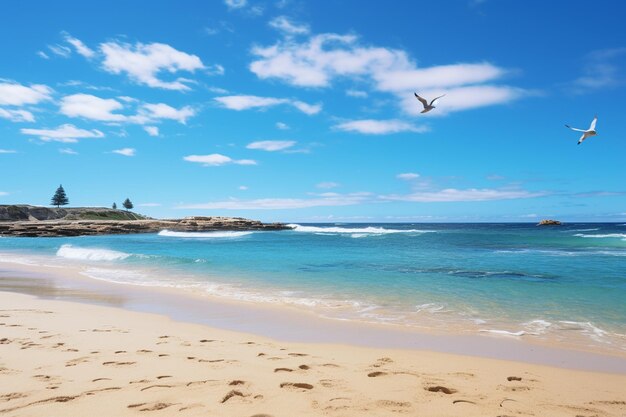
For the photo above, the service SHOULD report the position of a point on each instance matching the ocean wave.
(203, 235)
(538, 326)
(595, 333)
(356, 231)
(90, 254)
(564, 252)
(581, 230)
(504, 332)
(601, 236)
(431, 308)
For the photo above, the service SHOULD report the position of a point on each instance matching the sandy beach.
(75, 359)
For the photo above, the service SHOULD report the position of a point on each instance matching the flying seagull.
(586, 133)
(427, 107)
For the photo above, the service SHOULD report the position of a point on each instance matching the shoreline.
(67, 358)
(289, 323)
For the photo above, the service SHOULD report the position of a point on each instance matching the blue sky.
(287, 110)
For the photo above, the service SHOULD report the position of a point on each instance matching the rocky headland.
(33, 221)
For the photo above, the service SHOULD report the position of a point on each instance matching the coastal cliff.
(32, 221)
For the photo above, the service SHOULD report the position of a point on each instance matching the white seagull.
(427, 107)
(586, 133)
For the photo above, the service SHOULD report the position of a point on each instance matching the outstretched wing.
(432, 103)
(424, 102)
(593, 123)
(573, 128)
(582, 138)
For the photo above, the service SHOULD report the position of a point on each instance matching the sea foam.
(90, 254)
(354, 231)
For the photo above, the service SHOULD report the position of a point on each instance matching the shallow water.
(563, 283)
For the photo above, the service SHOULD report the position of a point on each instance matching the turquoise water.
(564, 283)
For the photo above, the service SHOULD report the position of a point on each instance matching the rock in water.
(548, 222)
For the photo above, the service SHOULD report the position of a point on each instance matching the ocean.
(563, 284)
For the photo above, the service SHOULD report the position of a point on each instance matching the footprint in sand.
(283, 370)
(237, 382)
(113, 363)
(76, 361)
(12, 396)
(376, 374)
(231, 394)
(299, 385)
(157, 386)
(439, 388)
(514, 378)
(151, 406)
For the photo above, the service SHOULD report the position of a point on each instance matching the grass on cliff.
(105, 215)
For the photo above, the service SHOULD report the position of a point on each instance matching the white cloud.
(407, 176)
(271, 145)
(95, 108)
(236, 4)
(3, 193)
(125, 151)
(243, 187)
(217, 159)
(80, 47)
(14, 94)
(60, 50)
(92, 107)
(68, 151)
(65, 133)
(470, 194)
(7, 151)
(602, 68)
(462, 98)
(16, 115)
(282, 203)
(151, 130)
(320, 59)
(143, 63)
(244, 102)
(327, 185)
(356, 93)
(282, 126)
(283, 24)
(379, 127)
(164, 111)
(42, 54)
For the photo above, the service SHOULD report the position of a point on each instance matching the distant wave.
(356, 232)
(600, 236)
(582, 230)
(202, 235)
(90, 254)
(565, 252)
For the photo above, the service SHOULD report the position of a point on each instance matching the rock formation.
(30, 221)
(547, 222)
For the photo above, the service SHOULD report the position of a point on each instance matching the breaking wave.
(90, 254)
(355, 232)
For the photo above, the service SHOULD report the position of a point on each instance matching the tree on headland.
(127, 204)
(114, 206)
(59, 198)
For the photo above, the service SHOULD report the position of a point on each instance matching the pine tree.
(114, 206)
(127, 204)
(59, 198)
